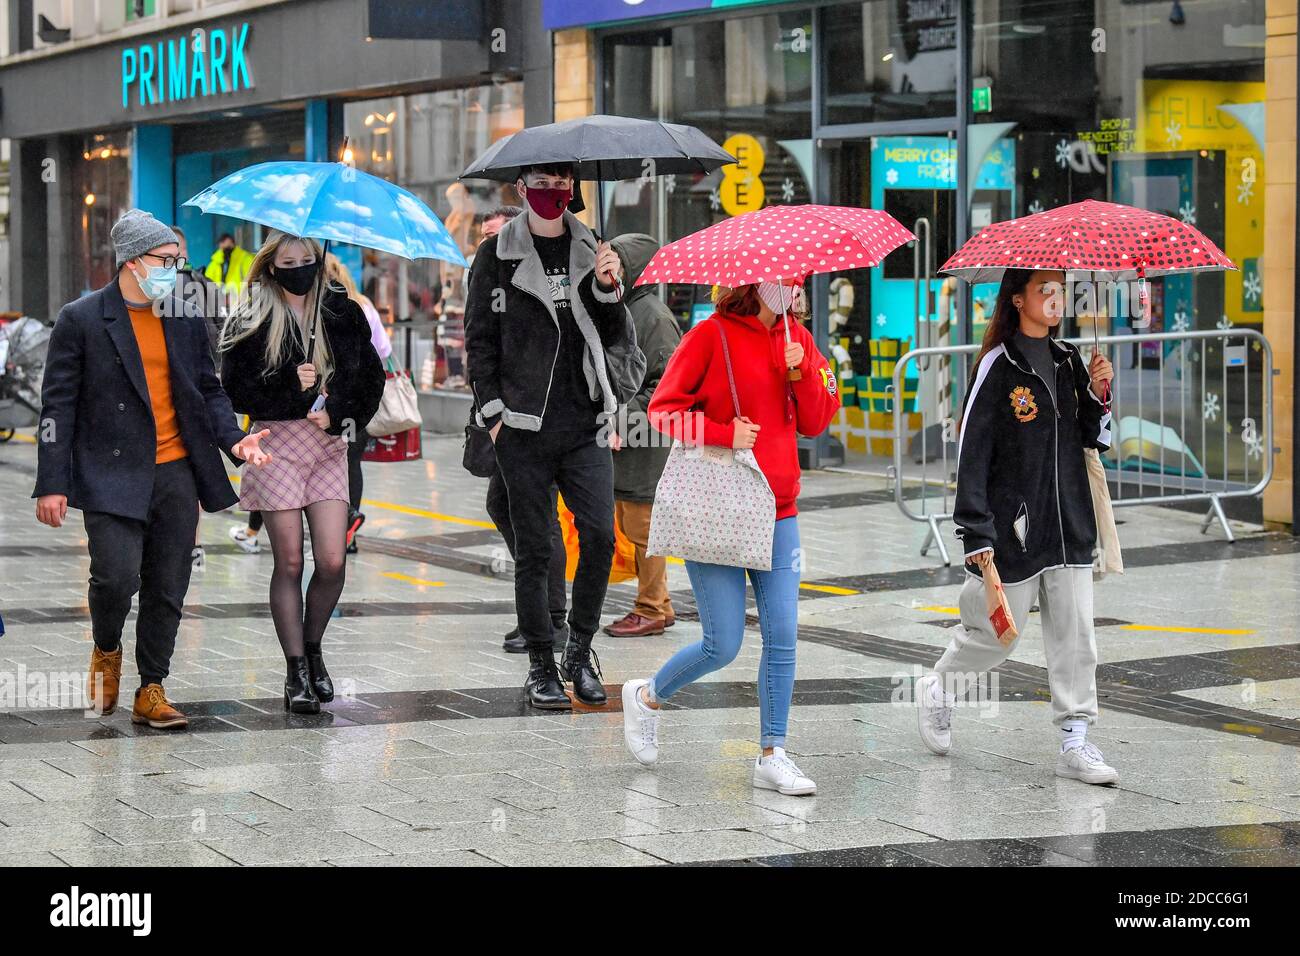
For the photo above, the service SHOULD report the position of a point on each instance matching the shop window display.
(422, 142)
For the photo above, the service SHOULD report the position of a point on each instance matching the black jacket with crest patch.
(1022, 485)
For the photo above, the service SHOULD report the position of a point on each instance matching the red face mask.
(548, 203)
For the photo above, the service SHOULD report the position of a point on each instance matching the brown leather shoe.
(153, 708)
(106, 676)
(634, 625)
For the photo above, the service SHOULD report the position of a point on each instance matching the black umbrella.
(602, 148)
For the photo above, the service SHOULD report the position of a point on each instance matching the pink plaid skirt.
(306, 465)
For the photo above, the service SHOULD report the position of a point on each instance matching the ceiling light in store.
(90, 199)
(1029, 29)
(86, 155)
(106, 152)
(390, 117)
(347, 155)
(889, 55)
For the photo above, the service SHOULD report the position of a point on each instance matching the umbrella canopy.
(602, 148)
(1107, 239)
(779, 242)
(332, 201)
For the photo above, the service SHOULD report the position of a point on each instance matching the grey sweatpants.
(1065, 600)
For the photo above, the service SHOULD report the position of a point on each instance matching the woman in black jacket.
(1024, 505)
(297, 358)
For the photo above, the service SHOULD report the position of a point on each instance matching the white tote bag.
(399, 409)
(714, 505)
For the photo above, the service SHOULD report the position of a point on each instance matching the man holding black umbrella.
(544, 305)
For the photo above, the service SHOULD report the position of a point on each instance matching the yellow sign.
(741, 189)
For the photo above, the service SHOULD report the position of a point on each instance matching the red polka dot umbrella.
(1111, 241)
(778, 242)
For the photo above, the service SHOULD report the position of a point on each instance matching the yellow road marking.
(1185, 630)
(828, 589)
(26, 439)
(397, 576)
(421, 513)
(1243, 728)
(937, 609)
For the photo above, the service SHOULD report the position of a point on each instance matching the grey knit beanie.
(136, 232)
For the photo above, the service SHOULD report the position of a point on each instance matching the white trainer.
(778, 772)
(1087, 765)
(640, 724)
(248, 543)
(934, 714)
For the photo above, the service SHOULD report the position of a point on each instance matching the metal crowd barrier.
(1152, 460)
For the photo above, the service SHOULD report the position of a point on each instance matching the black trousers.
(151, 557)
(531, 463)
(498, 509)
(356, 448)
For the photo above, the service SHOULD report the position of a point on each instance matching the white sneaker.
(778, 772)
(640, 724)
(1086, 764)
(934, 714)
(248, 543)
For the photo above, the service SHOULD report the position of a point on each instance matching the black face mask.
(297, 280)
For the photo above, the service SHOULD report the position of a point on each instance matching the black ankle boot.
(581, 666)
(514, 643)
(299, 698)
(543, 687)
(320, 677)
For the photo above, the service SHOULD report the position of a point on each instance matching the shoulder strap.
(731, 378)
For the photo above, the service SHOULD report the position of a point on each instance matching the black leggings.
(296, 625)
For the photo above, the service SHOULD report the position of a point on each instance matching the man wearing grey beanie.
(131, 421)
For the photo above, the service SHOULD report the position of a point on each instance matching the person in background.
(298, 354)
(132, 419)
(694, 403)
(336, 271)
(229, 266)
(498, 506)
(196, 288)
(543, 309)
(637, 470)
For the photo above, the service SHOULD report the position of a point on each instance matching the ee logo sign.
(741, 189)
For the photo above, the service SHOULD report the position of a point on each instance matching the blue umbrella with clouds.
(335, 202)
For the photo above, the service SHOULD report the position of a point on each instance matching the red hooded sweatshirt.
(692, 402)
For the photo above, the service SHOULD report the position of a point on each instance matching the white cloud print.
(347, 205)
(288, 188)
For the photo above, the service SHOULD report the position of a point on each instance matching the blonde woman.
(336, 271)
(296, 352)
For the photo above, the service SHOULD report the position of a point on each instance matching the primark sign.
(207, 61)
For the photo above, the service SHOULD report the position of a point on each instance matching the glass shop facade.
(950, 115)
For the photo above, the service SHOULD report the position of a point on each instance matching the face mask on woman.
(297, 280)
(158, 282)
(777, 297)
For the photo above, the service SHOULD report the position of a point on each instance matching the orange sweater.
(157, 374)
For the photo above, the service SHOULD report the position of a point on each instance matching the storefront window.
(1165, 112)
(887, 61)
(422, 142)
(747, 83)
(102, 185)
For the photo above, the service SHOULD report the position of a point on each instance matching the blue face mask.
(158, 283)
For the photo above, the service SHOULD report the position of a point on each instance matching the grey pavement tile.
(838, 835)
(29, 859)
(475, 810)
(55, 836)
(171, 829)
(707, 845)
(323, 819)
(456, 858)
(301, 845)
(714, 816)
(67, 811)
(590, 852)
(153, 855)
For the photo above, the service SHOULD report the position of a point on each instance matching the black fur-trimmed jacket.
(355, 388)
(512, 335)
(1022, 486)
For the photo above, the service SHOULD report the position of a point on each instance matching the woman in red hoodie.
(693, 404)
